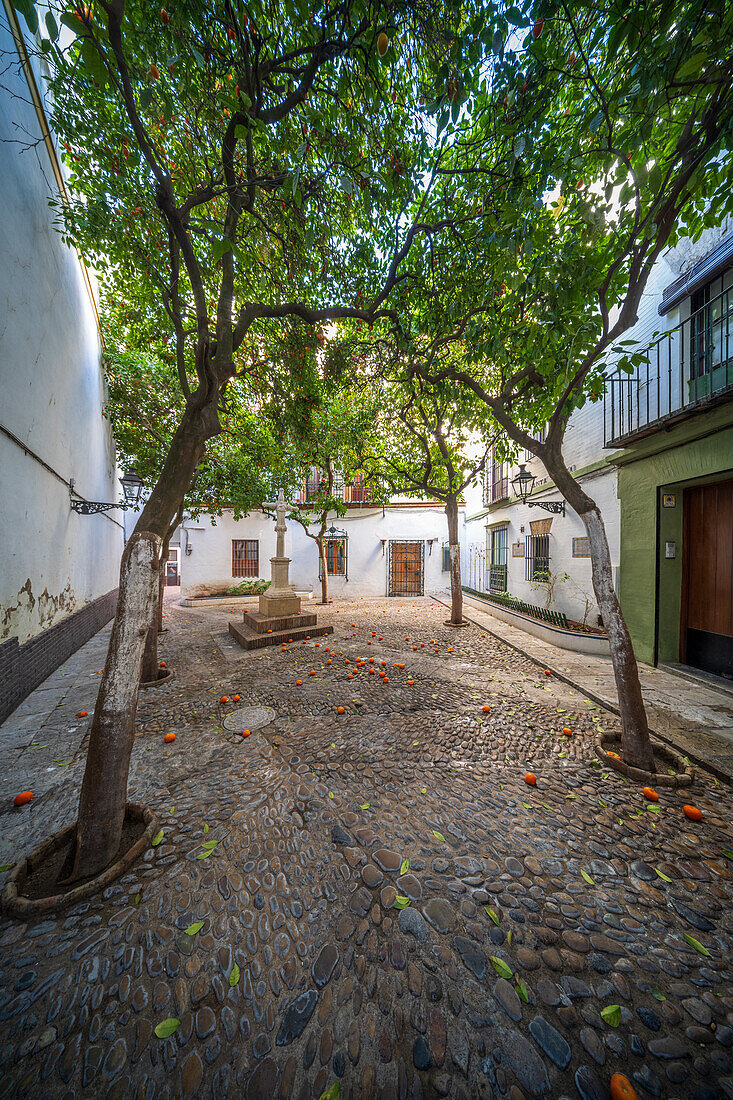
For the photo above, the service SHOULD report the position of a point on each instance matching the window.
(245, 558)
(336, 547)
(581, 548)
(537, 558)
(528, 455)
(496, 482)
(498, 559)
(711, 333)
(446, 558)
(312, 483)
(358, 490)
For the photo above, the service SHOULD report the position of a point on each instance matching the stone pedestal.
(279, 618)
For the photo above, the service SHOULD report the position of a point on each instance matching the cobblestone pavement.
(554, 935)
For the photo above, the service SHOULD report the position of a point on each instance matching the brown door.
(406, 561)
(706, 638)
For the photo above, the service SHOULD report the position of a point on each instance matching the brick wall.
(24, 667)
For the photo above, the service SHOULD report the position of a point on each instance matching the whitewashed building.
(58, 569)
(395, 549)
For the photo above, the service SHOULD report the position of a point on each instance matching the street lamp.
(523, 485)
(132, 487)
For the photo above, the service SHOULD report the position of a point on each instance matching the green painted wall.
(696, 451)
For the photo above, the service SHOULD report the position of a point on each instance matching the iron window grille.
(499, 480)
(337, 556)
(405, 568)
(446, 558)
(498, 560)
(537, 560)
(245, 558)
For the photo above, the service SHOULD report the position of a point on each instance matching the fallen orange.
(692, 812)
(22, 798)
(169, 737)
(486, 709)
(246, 733)
(341, 710)
(567, 731)
(547, 672)
(298, 683)
(236, 698)
(82, 714)
(622, 1089)
(650, 794)
(530, 779)
(162, 664)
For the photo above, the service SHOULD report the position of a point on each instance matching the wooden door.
(706, 637)
(405, 574)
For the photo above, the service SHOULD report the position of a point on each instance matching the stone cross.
(280, 508)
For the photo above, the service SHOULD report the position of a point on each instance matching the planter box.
(231, 601)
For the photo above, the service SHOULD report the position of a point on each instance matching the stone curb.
(21, 908)
(683, 777)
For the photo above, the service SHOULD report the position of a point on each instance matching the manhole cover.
(248, 718)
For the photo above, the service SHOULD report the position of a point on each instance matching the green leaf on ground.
(400, 902)
(157, 838)
(664, 877)
(494, 916)
(587, 877)
(365, 805)
(612, 1015)
(194, 928)
(658, 995)
(696, 945)
(509, 936)
(405, 866)
(167, 1027)
(206, 828)
(653, 808)
(439, 836)
(137, 898)
(500, 967)
(234, 976)
(727, 853)
(522, 991)
(333, 1093)
(206, 854)
(7, 866)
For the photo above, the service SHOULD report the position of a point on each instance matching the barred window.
(446, 559)
(498, 559)
(537, 558)
(496, 481)
(337, 556)
(245, 558)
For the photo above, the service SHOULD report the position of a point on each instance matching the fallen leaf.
(587, 877)
(400, 902)
(522, 991)
(662, 876)
(494, 916)
(234, 976)
(500, 967)
(167, 1027)
(612, 1015)
(157, 838)
(439, 836)
(697, 945)
(194, 928)
(405, 866)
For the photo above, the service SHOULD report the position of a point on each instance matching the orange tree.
(233, 163)
(599, 136)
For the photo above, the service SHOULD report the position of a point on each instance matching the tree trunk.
(637, 748)
(104, 788)
(456, 591)
(320, 542)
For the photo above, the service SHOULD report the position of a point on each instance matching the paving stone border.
(22, 908)
(684, 774)
(168, 674)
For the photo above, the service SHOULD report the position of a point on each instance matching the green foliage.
(249, 588)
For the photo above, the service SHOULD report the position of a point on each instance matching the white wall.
(209, 563)
(52, 561)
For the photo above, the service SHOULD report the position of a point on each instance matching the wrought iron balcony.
(685, 372)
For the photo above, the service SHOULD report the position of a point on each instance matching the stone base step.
(260, 623)
(251, 639)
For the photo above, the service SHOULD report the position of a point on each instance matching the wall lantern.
(523, 484)
(384, 543)
(430, 545)
(132, 487)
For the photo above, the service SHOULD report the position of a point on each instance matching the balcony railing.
(354, 493)
(685, 371)
(497, 578)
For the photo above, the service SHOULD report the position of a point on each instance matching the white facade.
(206, 549)
(52, 561)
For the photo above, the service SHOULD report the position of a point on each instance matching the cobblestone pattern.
(531, 910)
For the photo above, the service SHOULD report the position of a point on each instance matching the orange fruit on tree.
(382, 44)
(692, 813)
(22, 798)
(154, 72)
(622, 1089)
(650, 794)
(530, 779)
(169, 737)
